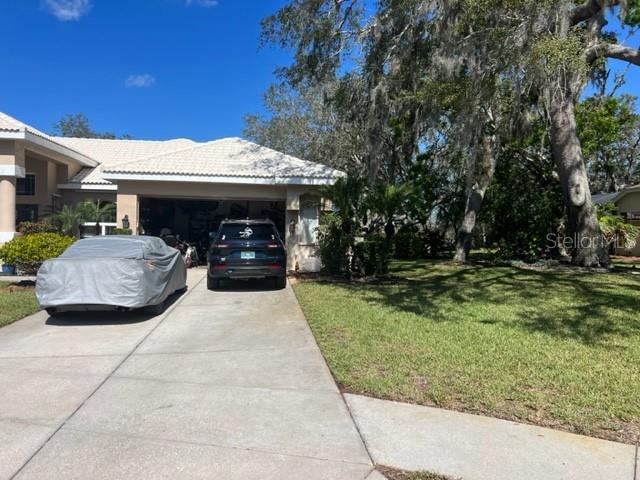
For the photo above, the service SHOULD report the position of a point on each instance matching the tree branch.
(621, 52)
(609, 50)
(589, 9)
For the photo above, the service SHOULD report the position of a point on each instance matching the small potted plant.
(8, 256)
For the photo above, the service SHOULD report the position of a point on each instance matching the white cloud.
(65, 10)
(202, 3)
(140, 81)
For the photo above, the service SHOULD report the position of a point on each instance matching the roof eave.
(48, 144)
(248, 180)
(94, 187)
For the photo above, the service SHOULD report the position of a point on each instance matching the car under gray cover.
(112, 271)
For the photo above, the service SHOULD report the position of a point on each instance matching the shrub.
(41, 226)
(617, 232)
(121, 231)
(374, 254)
(409, 243)
(333, 244)
(29, 251)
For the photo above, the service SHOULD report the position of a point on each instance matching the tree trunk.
(478, 179)
(583, 232)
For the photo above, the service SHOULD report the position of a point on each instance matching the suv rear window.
(255, 231)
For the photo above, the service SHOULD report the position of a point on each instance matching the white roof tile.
(13, 125)
(228, 157)
(10, 124)
(107, 152)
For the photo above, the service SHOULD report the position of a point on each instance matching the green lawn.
(17, 304)
(549, 348)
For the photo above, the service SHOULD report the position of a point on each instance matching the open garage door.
(195, 220)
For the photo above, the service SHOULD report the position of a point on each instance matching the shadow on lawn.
(585, 306)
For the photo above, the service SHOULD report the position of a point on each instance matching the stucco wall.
(300, 257)
(11, 153)
(630, 203)
(42, 196)
(128, 204)
(202, 190)
(72, 197)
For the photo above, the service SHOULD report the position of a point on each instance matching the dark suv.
(246, 249)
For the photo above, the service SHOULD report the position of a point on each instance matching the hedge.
(29, 251)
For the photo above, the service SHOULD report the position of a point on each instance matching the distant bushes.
(41, 226)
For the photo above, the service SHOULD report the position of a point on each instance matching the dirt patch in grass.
(17, 287)
(395, 474)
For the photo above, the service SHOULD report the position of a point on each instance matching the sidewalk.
(473, 447)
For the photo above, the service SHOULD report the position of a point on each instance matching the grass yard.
(16, 303)
(548, 348)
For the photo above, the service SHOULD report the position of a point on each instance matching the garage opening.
(196, 220)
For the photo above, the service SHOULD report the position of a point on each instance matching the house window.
(309, 215)
(26, 213)
(26, 185)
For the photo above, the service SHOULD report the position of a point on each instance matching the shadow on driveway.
(250, 285)
(90, 318)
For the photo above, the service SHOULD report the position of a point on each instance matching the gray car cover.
(120, 271)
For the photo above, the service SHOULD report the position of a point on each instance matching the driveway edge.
(107, 377)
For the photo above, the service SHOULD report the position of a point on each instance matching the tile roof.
(108, 152)
(13, 125)
(228, 157)
(10, 124)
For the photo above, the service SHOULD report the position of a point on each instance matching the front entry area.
(196, 220)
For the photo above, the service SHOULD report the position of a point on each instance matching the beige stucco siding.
(11, 153)
(202, 190)
(42, 197)
(300, 257)
(72, 197)
(128, 204)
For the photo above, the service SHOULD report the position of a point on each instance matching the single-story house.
(627, 202)
(185, 186)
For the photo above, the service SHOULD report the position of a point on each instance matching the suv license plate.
(247, 255)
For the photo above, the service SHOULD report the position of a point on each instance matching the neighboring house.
(181, 185)
(627, 202)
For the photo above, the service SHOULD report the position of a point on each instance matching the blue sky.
(154, 69)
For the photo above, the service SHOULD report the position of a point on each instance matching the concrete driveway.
(227, 385)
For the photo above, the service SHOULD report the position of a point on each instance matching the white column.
(7, 208)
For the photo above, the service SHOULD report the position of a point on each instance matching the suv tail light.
(274, 245)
